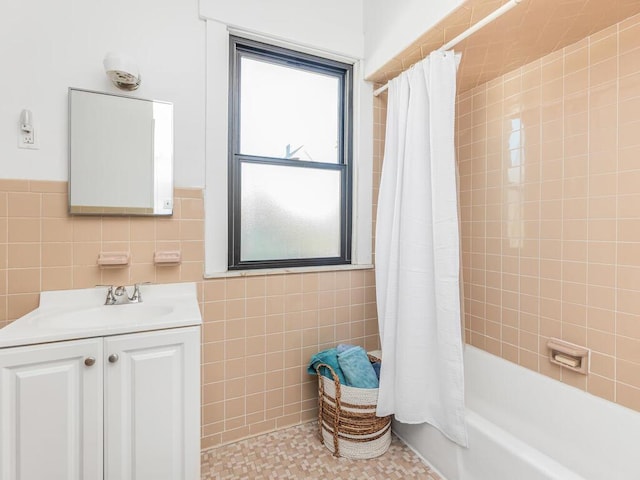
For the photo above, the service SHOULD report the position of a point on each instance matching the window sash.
(235, 261)
(240, 48)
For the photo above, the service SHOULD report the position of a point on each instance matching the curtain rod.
(467, 33)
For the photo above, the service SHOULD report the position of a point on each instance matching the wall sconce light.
(122, 71)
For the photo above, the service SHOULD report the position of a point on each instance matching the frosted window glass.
(289, 212)
(288, 112)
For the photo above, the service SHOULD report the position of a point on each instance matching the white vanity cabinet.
(51, 411)
(118, 407)
(152, 405)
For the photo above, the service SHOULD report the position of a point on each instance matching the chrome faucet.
(119, 296)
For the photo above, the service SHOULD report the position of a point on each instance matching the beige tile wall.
(379, 126)
(42, 248)
(549, 160)
(258, 332)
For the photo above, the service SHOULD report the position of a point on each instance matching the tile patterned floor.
(296, 453)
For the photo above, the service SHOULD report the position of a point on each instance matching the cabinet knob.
(89, 361)
(113, 358)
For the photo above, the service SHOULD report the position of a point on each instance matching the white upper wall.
(390, 27)
(47, 46)
(331, 25)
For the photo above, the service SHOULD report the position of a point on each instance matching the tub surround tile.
(576, 225)
(524, 37)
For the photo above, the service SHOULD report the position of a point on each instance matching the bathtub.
(525, 426)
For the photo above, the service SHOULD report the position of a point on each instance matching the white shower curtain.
(417, 252)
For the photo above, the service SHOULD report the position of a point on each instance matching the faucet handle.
(111, 299)
(137, 296)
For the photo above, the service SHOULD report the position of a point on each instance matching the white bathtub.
(525, 426)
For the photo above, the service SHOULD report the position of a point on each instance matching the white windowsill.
(282, 271)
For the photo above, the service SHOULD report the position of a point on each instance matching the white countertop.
(75, 314)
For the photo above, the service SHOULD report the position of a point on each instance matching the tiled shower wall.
(258, 331)
(549, 162)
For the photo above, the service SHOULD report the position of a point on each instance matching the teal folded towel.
(357, 368)
(343, 347)
(330, 357)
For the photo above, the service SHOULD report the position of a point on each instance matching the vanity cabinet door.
(152, 407)
(51, 411)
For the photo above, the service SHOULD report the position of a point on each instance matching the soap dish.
(568, 355)
(113, 259)
(167, 257)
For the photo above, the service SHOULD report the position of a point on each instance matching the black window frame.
(242, 47)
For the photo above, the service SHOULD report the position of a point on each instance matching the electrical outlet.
(27, 138)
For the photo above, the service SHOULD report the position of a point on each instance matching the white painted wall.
(330, 25)
(390, 27)
(47, 46)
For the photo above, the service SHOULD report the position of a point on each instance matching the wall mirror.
(120, 155)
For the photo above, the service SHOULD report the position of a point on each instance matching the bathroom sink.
(76, 314)
(111, 315)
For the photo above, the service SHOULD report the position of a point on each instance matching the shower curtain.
(417, 252)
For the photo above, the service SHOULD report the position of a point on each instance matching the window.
(290, 148)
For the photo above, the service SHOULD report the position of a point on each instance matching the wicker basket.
(347, 421)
